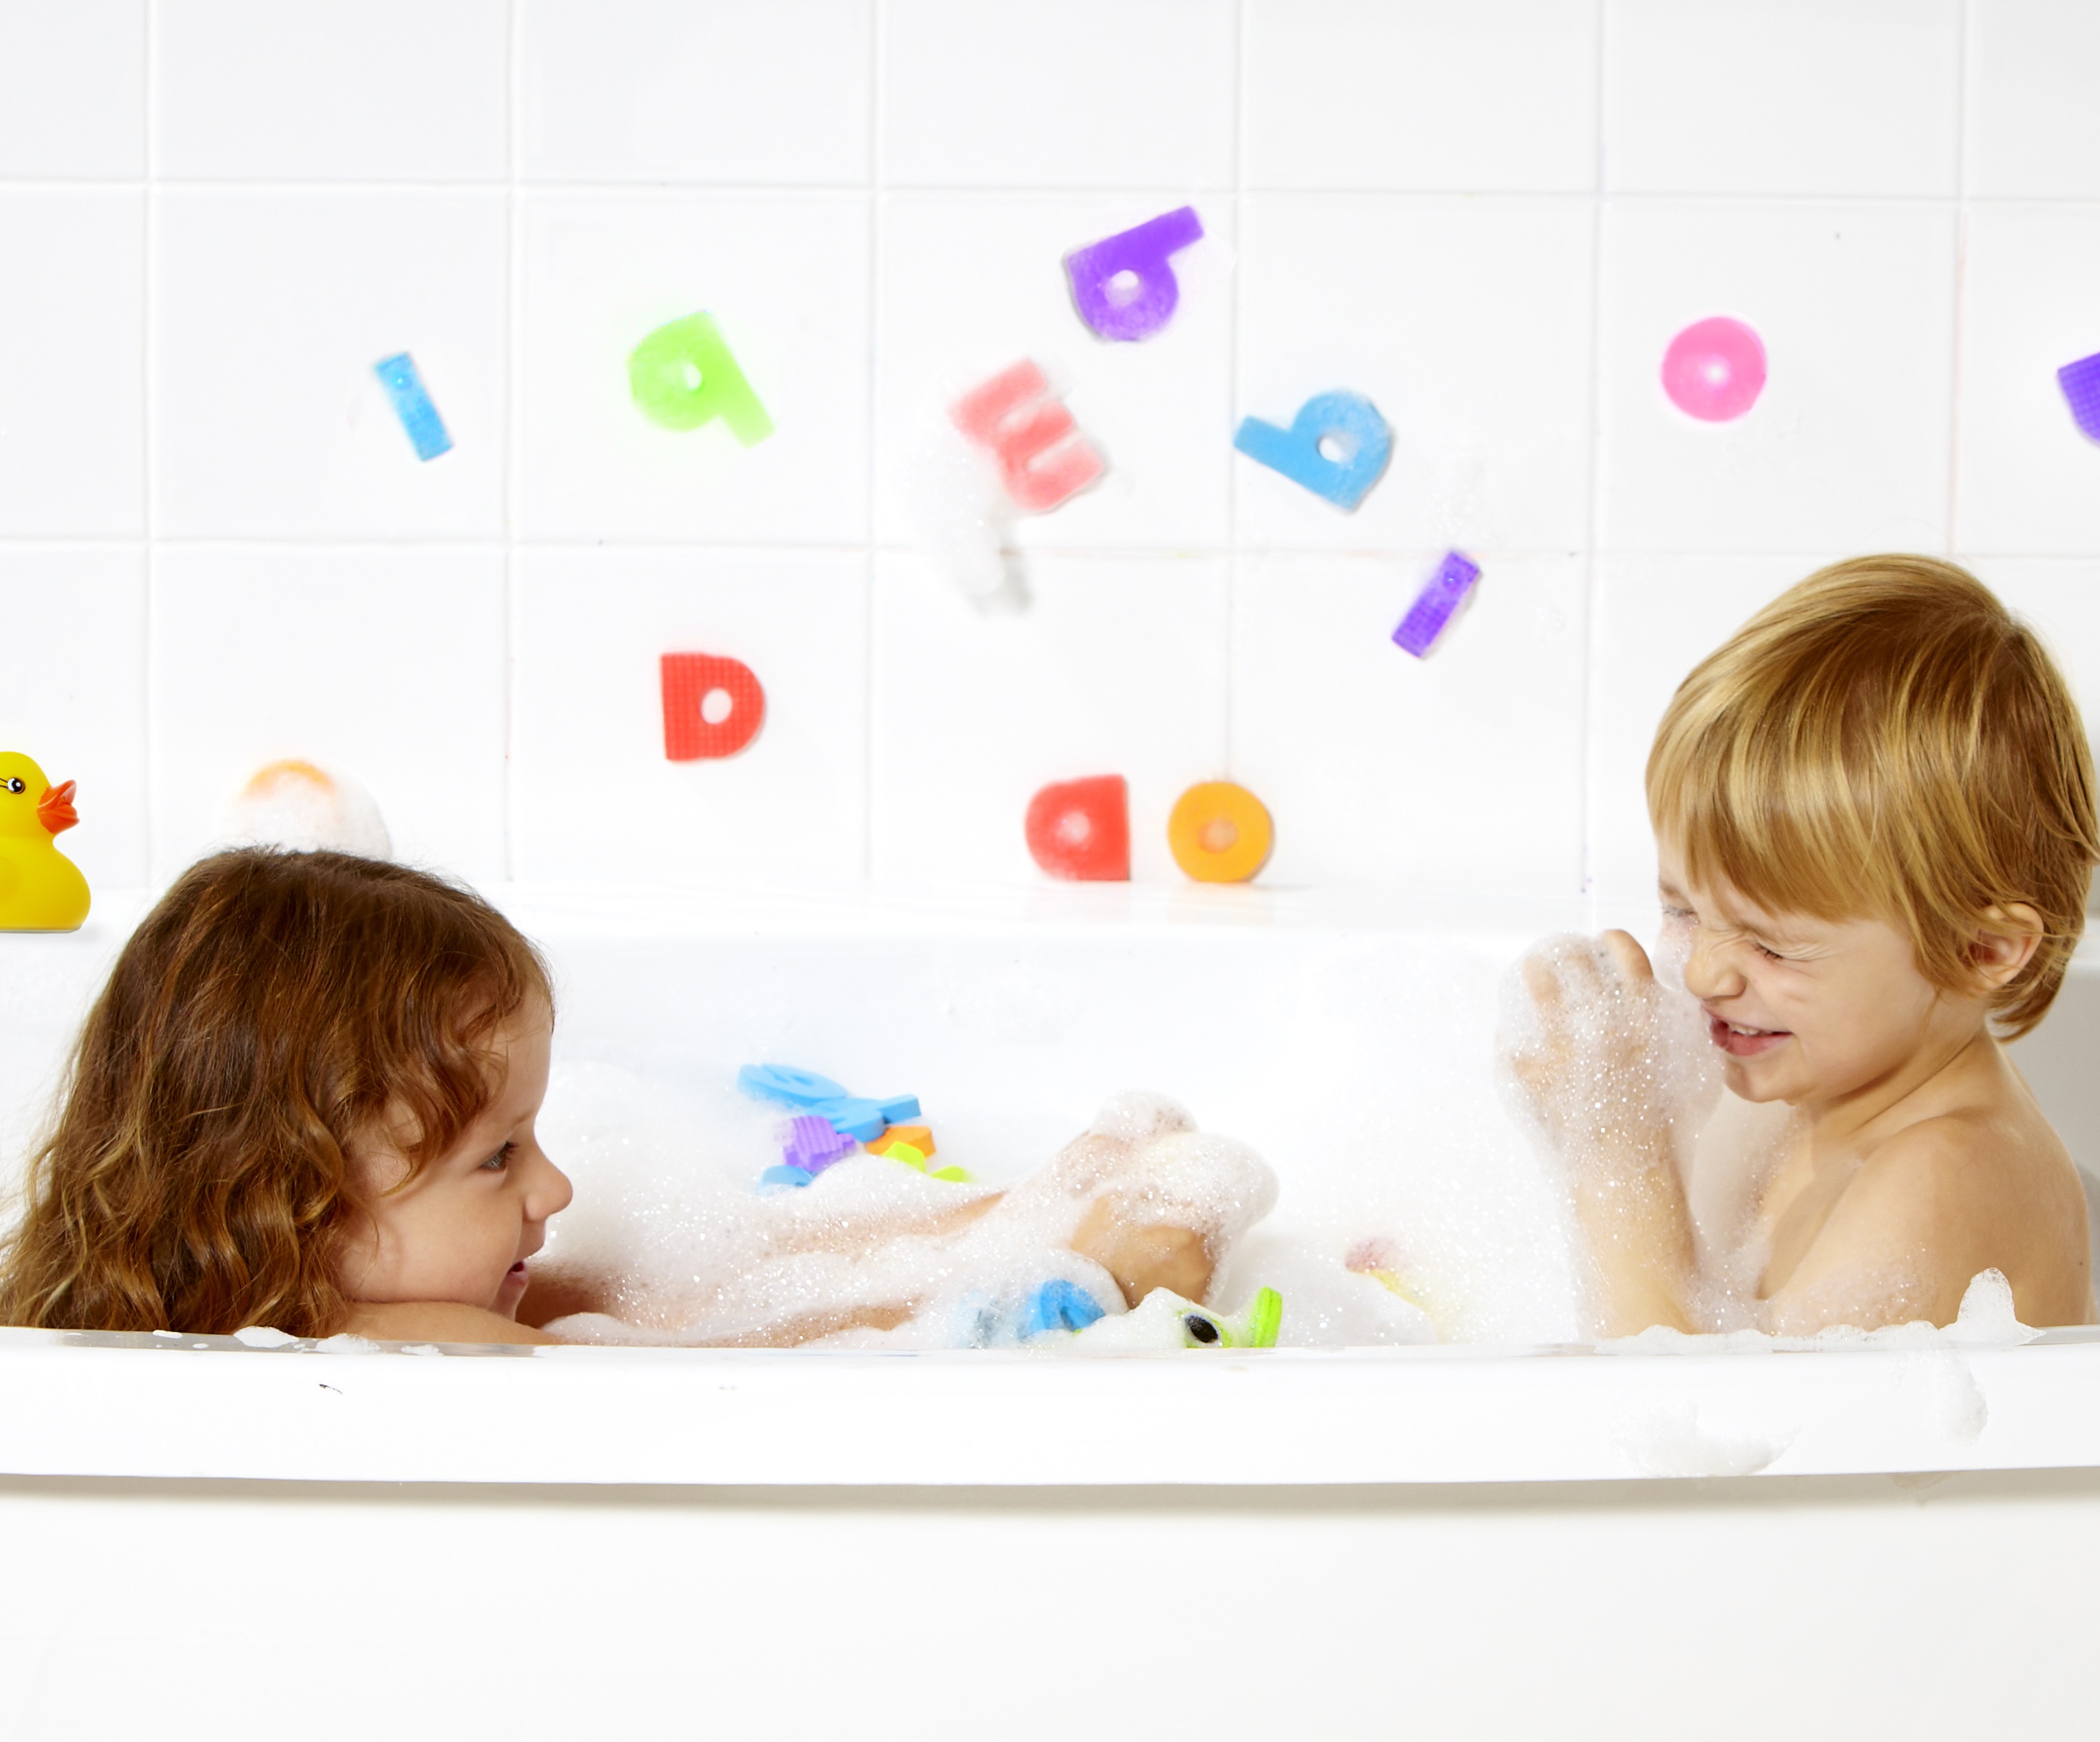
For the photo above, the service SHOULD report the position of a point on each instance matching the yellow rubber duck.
(40, 889)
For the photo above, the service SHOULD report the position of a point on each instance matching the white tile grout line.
(1586, 774)
(1961, 309)
(878, 25)
(149, 471)
(513, 340)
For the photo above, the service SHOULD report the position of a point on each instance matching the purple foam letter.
(1447, 589)
(2080, 381)
(1124, 286)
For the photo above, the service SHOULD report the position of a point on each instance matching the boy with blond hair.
(1874, 819)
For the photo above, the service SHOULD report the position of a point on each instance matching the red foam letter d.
(690, 680)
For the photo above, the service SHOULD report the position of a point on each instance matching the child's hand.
(1583, 1046)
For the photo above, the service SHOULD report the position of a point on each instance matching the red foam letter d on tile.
(690, 682)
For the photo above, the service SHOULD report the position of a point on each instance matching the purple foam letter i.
(1124, 286)
(2080, 381)
(1431, 610)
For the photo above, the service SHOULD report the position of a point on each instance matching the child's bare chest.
(1794, 1209)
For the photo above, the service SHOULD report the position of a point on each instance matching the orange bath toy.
(40, 889)
(1220, 832)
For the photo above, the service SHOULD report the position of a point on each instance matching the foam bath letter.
(690, 681)
(1220, 832)
(811, 1145)
(1714, 369)
(2080, 381)
(1346, 421)
(1043, 458)
(1124, 287)
(919, 1137)
(411, 404)
(807, 1093)
(1080, 829)
(682, 376)
(1432, 607)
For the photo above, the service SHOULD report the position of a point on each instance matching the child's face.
(1805, 1011)
(462, 1228)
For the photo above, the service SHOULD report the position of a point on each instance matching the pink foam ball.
(1714, 369)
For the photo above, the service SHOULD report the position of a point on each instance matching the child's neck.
(1958, 1058)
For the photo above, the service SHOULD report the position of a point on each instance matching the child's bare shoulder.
(1987, 1185)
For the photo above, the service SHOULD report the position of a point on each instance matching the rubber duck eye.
(16, 784)
(1199, 1327)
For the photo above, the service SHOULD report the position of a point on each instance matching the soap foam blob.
(299, 805)
(1714, 369)
(871, 1254)
(961, 518)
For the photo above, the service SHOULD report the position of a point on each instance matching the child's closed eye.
(497, 1162)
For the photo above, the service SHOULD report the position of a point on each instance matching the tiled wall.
(1488, 215)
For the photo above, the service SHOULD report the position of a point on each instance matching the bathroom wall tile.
(2032, 130)
(75, 697)
(385, 664)
(751, 92)
(784, 275)
(1847, 447)
(274, 306)
(970, 284)
(1466, 322)
(1654, 617)
(72, 83)
(71, 290)
(1782, 96)
(331, 90)
(973, 710)
(1473, 96)
(1459, 773)
(594, 795)
(2029, 480)
(1057, 94)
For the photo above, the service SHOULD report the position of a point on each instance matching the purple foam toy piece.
(1135, 311)
(2080, 381)
(1432, 608)
(811, 1145)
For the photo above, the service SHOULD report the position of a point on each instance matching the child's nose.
(549, 1192)
(1707, 973)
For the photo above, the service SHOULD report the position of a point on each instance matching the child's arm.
(436, 1322)
(1590, 1074)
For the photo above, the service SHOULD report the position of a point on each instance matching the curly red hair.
(272, 1009)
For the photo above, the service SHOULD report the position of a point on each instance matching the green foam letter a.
(683, 376)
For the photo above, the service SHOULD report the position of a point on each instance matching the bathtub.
(1467, 1537)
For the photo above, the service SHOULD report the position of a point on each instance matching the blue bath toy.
(807, 1093)
(399, 376)
(1058, 1305)
(784, 1175)
(1347, 420)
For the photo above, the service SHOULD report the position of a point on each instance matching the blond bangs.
(1886, 741)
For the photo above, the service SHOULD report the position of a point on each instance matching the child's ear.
(2005, 942)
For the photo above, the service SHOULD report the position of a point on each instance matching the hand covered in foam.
(1603, 1058)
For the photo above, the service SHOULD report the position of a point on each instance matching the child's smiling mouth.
(1738, 1040)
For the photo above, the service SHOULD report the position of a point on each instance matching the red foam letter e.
(690, 680)
(1015, 416)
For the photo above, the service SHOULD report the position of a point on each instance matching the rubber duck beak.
(54, 808)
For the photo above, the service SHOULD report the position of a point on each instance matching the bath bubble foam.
(669, 1240)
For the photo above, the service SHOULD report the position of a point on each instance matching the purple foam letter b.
(1124, 286)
